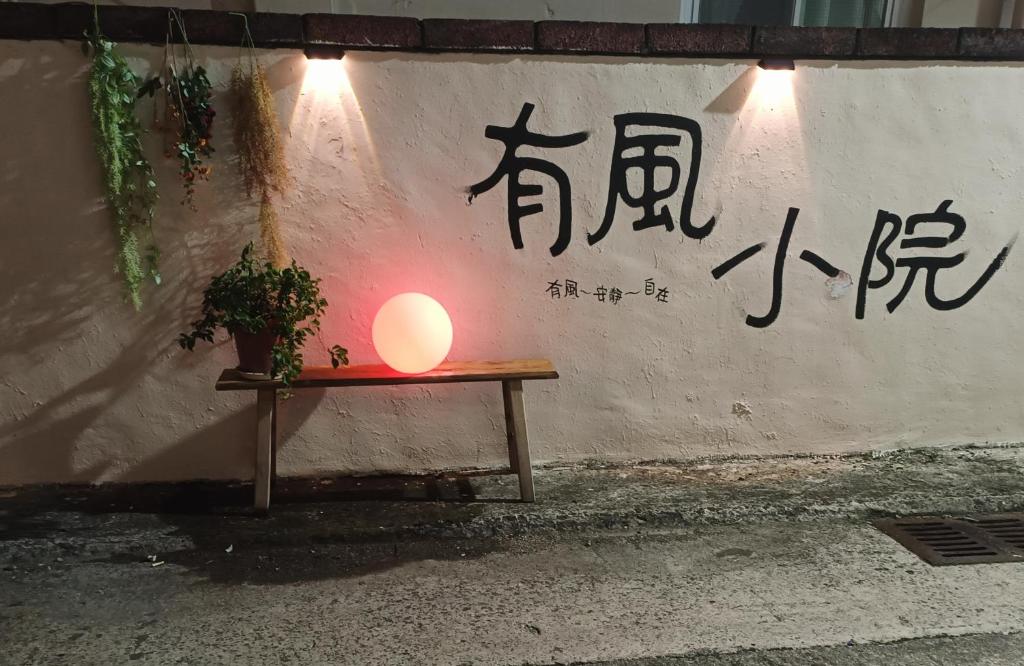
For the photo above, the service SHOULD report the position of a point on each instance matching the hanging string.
(247, 40)
(174, 18)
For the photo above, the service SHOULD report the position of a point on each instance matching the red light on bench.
(412, 333)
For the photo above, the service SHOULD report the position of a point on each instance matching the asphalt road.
(975, 650)
(829, 590)
(737, 562)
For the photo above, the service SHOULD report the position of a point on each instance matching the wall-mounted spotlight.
(777, 64)
(323, 52)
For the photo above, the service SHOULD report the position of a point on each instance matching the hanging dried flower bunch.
(187, 111)
(270, 234)
(128, 177)
(258, 141)
(188, 103)
(257, 137)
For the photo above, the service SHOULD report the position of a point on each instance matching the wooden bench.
(510, 373)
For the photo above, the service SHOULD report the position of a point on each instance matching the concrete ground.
(736, 562)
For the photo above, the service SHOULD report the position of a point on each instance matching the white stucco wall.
(382, 147)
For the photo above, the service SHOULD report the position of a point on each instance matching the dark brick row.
(19, 20)
(366, 32)
(673, 39)
(468, 35)
(591, 37)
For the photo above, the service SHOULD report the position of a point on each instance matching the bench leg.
(519, 443)
(506, 396)
(273, 442)
(265, 399)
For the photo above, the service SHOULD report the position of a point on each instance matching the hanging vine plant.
(187, 109)
(258, 141)
(127, 176)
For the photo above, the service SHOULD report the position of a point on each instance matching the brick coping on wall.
(22, 20)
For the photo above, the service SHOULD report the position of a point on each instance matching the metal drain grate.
(967, 540)
(1008, 528)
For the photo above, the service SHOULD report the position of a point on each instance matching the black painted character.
(513, 166)
(878, 249)
(648, 161)
(554, 289)
(780, 265)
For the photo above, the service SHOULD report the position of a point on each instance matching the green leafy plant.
(128, 177)
(252, 297)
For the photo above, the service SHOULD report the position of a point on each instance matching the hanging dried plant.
(260, 151)
(257, 136)
(270, 234)
(187, 111)
(128, 177)
(189, 104)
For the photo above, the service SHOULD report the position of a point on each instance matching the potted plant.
(269, 312)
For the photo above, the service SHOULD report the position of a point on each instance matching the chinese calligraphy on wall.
(602, 294)
(638, 138)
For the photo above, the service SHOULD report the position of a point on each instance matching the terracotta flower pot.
(254, 350)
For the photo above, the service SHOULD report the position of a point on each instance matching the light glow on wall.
(773, 89)
(412, 333)
(325, 77)
(328, 119)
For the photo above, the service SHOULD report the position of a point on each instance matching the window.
(747, 12)
(838, 13)
(846, 13)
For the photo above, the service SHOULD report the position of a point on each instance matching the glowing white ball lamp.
(412, 333)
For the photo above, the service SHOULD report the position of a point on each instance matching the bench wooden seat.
(511, 374)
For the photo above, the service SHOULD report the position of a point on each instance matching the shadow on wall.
(221, 445)
(76, 357)
(732, 100)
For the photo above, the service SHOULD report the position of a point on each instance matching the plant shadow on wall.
(57, 252)
(209, 241)
(63, 312)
